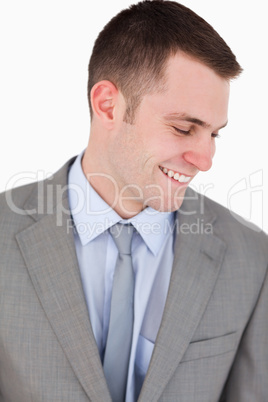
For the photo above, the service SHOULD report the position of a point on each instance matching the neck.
(125, 205)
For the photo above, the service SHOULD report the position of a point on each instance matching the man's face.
(172, 139)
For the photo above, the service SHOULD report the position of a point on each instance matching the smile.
(181, 178)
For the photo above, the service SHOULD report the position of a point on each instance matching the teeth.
(179, 177)
(187, 179)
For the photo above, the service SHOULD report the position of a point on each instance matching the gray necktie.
(119, 339)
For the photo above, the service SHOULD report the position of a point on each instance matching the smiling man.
(118, 282)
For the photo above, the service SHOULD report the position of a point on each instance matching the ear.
(104, 97)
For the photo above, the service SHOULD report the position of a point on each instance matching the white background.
(44, 118)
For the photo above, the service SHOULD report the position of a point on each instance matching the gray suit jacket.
(213, 340)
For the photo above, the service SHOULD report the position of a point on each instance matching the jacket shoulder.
(237, 231)
(21, 205)
(240, 235)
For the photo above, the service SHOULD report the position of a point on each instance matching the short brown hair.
(133, 48)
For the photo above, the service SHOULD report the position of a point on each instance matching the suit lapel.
(49, 253)
(197, 261)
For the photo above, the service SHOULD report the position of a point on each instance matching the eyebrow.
(191, 119)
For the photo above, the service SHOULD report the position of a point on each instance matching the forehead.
(193, 89)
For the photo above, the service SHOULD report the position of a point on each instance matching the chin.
(166, 205)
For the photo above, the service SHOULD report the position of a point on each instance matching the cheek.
(165, 146)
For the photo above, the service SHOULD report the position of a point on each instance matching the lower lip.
(175, 181)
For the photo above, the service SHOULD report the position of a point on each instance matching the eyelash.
(213, 135)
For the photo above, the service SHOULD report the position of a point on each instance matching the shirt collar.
(93, 216)
(154, 227)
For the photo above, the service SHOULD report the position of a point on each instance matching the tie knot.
(122, 235)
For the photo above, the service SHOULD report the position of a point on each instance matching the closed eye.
(184, 132)
(181, 131)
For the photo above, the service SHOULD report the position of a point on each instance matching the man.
(158, 89)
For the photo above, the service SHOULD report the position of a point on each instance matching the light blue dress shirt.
(152, 258)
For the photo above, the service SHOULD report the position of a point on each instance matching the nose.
(201, 154)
